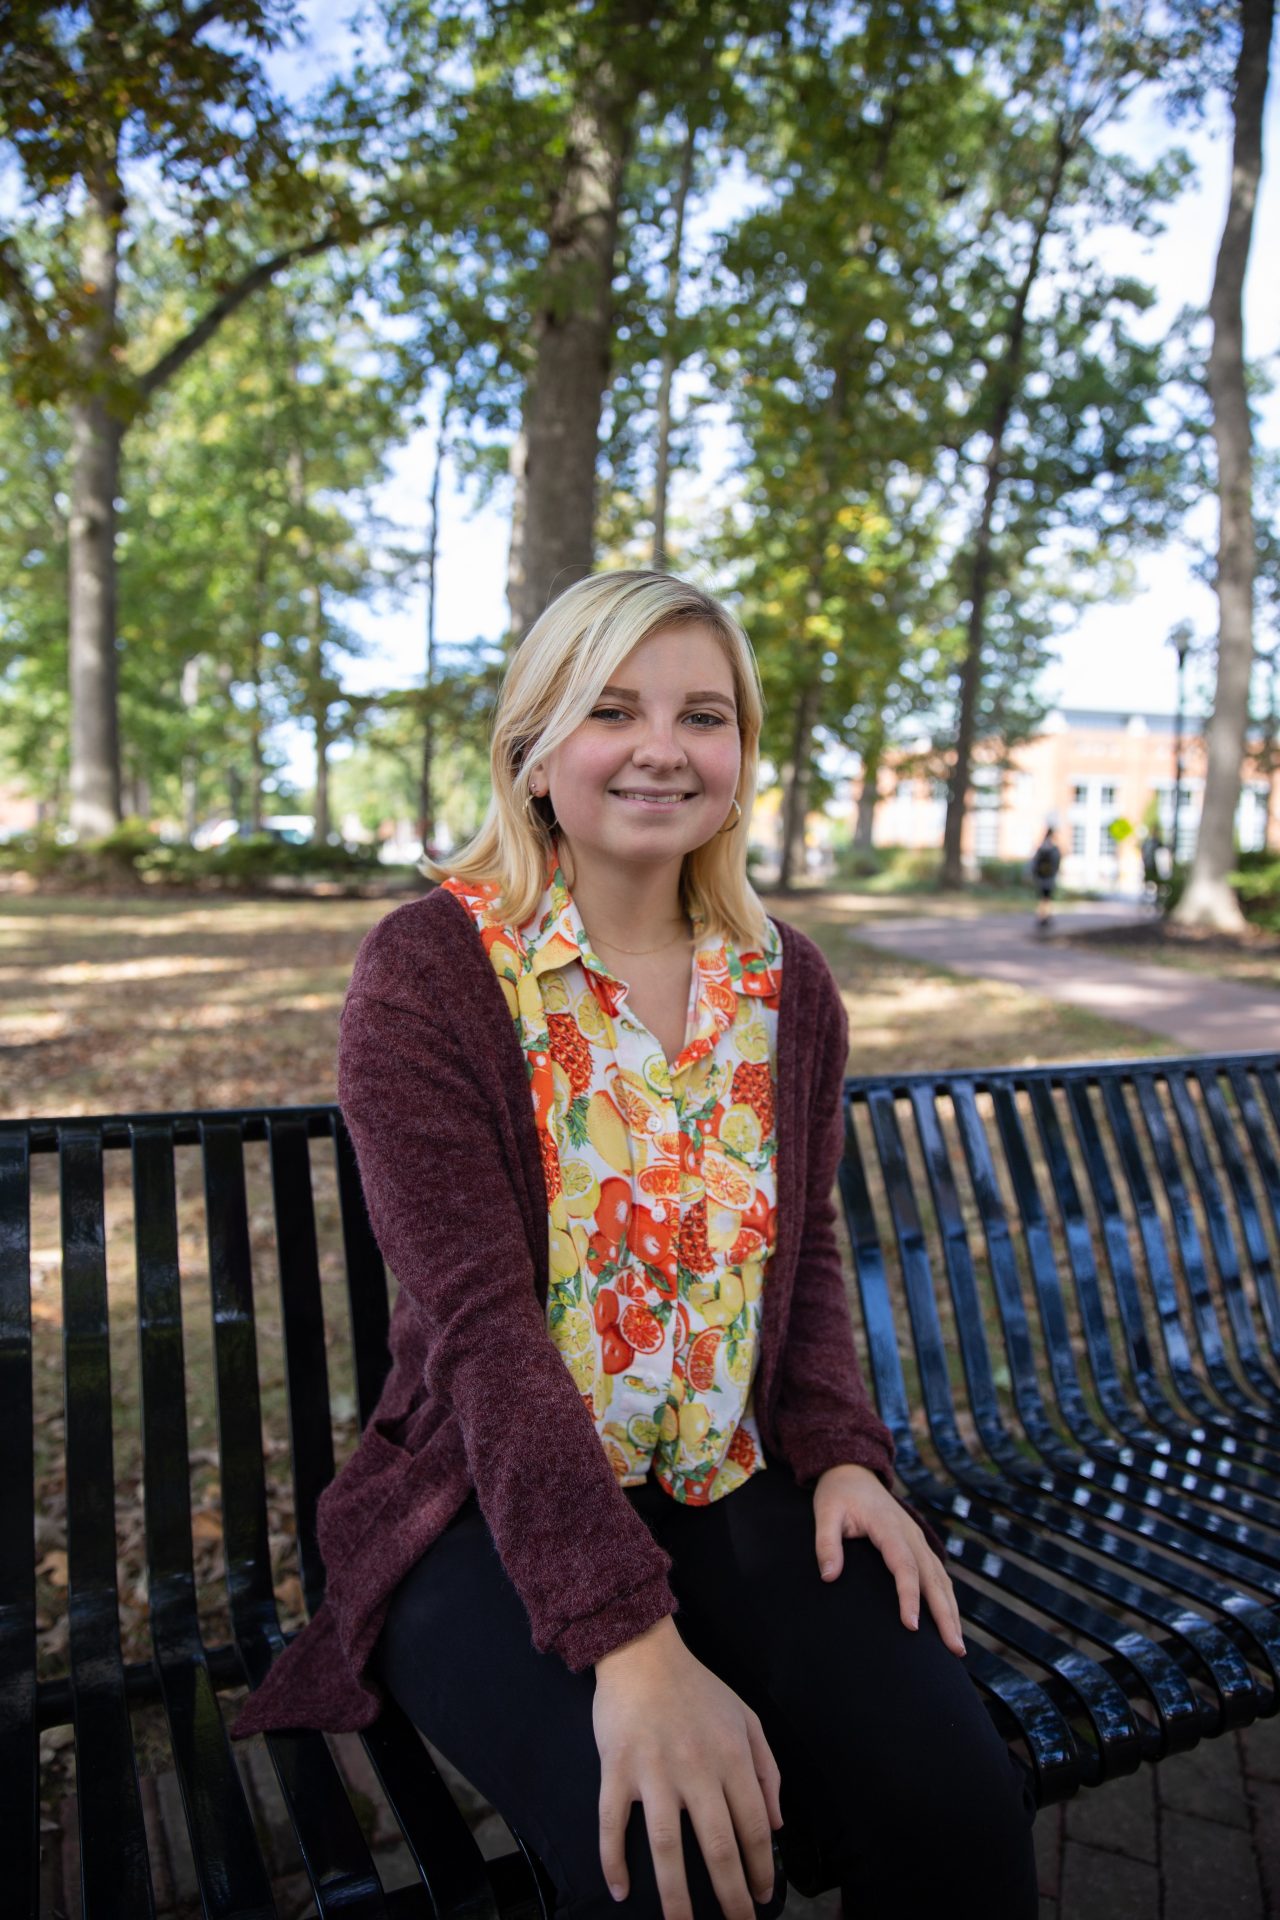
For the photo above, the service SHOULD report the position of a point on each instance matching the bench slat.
(452, 1867)
(1168, 1689)
(230, 1870)
(333, 1848)
(306, 1366)
(366, 1278)
(1246, 1090)
(1252, 1252)
(19, 1739)
(114, 1873)
(1211, 1652)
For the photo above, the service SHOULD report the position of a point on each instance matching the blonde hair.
(550, 686)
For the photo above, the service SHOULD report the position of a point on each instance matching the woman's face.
(665, 726)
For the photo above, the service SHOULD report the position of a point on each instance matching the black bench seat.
(1065, 1283)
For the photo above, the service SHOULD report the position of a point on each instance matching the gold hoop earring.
(730, 825)
(548, 824)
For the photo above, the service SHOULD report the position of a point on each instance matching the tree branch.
(16, 288)
(181, 351)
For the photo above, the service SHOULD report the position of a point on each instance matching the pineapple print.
(753, 1087)
(550, 1165)
(695, 1249)
(571, 1051)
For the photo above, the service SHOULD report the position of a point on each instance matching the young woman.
(620, 1536)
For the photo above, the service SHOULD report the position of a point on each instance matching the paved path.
(1197, 1013)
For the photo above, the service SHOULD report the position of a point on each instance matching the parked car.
(295, 828)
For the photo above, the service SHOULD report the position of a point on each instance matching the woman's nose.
(661, 744)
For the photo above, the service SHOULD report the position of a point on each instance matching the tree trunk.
(320, 719)
(662, 472)
(426, 804)
(795, 795)
(1006, 389)
(554, 460)
(257, 723)
(91, 635)
(868, 797)
(1209, 900)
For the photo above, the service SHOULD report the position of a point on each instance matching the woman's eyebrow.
(706, 693)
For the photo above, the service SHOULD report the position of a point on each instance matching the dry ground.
(137, 1004)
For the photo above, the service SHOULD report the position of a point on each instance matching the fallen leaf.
(53, 1567)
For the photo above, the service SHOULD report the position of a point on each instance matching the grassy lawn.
(1254, 961)
(135, 1004)
(142, 1004)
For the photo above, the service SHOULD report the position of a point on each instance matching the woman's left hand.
(851, 1503)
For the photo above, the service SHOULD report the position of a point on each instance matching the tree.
(828, 353)
(1058, 426)
(1208, 899)
(97, 102)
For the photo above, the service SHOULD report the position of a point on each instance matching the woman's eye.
(605, 713)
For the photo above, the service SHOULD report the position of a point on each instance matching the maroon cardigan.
(435, 1092)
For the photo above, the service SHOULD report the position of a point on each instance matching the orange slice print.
(638, 1109)
(702, 1360)
(749, 1245)
(726, 1181)
(641, 1327)
(721, 996)
(661, 1182)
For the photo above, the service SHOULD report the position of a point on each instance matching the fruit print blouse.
(661, 1187)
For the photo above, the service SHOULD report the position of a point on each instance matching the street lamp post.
(1180, 640)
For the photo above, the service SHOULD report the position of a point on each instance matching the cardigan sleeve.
(437, 1168)
(824, 1415)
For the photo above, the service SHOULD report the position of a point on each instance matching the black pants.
(880, 1736)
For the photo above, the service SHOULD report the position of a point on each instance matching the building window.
(1108, 796)
(1077, 837)
(1079, 794)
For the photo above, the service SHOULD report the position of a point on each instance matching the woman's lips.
(654, 802)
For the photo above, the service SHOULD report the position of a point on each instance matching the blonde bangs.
(551, 684)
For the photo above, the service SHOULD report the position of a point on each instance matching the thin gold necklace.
(636, 952)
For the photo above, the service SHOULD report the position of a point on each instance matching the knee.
(952, 1834)
(978, 1823)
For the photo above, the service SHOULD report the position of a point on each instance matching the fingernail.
(619, 1893)
(828, 1568)
(913, 1620)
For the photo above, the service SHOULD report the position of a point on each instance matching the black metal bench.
(1067, 1281)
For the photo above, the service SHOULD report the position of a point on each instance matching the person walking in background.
(1045, 862)
(620, 1536)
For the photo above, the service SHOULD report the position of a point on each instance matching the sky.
(1118, 656)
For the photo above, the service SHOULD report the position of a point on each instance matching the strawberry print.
(661, 1186)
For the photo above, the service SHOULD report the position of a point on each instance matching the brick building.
(1086, 769)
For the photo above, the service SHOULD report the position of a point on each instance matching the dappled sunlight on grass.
(144, 1005)
(141, 1005)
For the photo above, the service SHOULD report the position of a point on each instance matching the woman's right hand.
(671, 1734)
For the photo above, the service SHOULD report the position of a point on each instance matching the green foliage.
(134, 855)
(1257, 885)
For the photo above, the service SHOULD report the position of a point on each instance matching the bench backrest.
(1033, 1251)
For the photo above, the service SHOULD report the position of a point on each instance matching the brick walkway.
(1198, 1013)
(1195, 1838)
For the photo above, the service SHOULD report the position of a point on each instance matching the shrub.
(1257, 884)
(132, 854)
